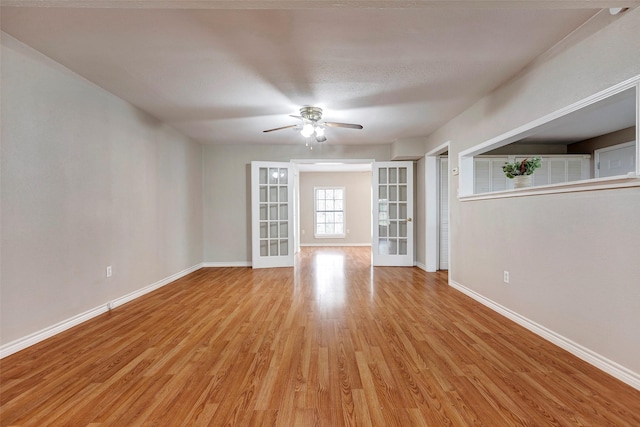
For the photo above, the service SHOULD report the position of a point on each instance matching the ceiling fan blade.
(343, 125)
(295, 117)
(280, 128)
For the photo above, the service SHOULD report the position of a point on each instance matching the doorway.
(394, 207)
(437, 186)
(334, 206)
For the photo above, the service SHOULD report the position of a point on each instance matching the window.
(329, 211)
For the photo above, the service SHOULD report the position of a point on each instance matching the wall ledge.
(612, 368)
(573, 187)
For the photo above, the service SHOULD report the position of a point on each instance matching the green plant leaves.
(525, 167)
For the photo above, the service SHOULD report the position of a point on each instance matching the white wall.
(572, 258)
(227, 195)
(87, 181)
(357, 206)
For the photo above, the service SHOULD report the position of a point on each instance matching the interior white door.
(392, 243)
(617, 160)
(443, 202)
(271, 215)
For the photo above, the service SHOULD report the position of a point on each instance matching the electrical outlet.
(109, 271)
(506, 276)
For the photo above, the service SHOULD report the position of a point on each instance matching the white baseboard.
(589, 356)
(334, 244)
(421, 266)
(227, 264)
(160, 283)
(34, 338)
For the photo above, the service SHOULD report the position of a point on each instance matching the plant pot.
(522, 181)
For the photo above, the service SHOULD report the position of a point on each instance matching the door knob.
(409, 220)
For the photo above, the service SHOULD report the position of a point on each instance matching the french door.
(392, 243)
(271, 215)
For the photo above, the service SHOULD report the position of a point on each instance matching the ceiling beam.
(320, 4)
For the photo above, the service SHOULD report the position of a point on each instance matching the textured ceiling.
(222, 76)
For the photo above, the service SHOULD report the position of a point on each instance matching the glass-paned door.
(271, 214)
(392, 243)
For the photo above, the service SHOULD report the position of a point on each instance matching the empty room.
(311, 212)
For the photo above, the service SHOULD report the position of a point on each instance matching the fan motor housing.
(311, 113)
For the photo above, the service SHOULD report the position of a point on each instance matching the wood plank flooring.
(333, 342)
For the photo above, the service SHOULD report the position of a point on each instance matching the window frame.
(315, 213)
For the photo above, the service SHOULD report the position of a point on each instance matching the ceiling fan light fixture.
(307, 130)
(312, 128)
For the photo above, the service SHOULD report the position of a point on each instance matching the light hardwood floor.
(332, 342)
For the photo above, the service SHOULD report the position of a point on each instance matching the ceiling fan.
(312, 126)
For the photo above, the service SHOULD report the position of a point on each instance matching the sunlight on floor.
(329, 280)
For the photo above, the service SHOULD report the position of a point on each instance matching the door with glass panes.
(271, 214)
(392, 243)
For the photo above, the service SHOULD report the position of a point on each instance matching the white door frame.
(432, 202)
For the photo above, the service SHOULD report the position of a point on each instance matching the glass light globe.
(307, 130)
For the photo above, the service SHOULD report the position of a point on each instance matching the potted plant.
(521, 172)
